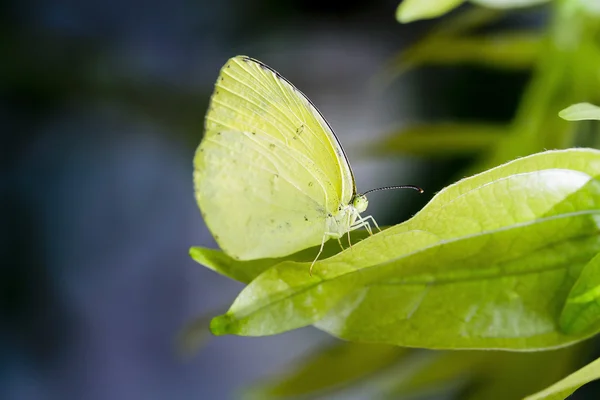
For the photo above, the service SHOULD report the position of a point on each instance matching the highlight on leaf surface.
(488, 263)
(580, 111)
(508, 3)
(591, 6)
(413, 10)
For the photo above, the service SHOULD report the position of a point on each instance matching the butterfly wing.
(269, 128)
(258, 197)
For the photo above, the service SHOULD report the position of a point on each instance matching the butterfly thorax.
(341, 222)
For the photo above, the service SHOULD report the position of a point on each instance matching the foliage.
(412, 10)
(580, 111)
(565, 387)
(490, 259)
(506, 259)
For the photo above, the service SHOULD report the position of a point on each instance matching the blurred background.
(102, 109)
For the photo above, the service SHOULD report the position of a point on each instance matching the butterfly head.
(360, 203)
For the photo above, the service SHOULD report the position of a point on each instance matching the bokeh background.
(102, 108)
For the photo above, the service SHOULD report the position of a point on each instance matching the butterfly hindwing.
(258, 199)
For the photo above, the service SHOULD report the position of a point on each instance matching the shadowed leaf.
(330, 369)
(438, 140)
(565, 387)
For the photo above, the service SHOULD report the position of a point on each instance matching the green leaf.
(582, 309)
(440, 370)
(246, 271)
(590, 6)
(564, 388)
(443, 32)
(330, 369)
(508, 3)
(466, 21)
(513, 50)
(413, 10)
(242, 271)
(514, 375)
(580, 111)
(438, 140)
(488, 263)
(485, 375)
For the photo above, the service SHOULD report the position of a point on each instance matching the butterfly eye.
(360, 203)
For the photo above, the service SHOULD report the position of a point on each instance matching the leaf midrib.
(308, 287)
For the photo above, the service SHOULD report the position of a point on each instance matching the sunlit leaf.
(329, 369)
(413, 10)
(438, 140)
(591, 6)
(564, 388)
(488, 263)
(508, 3)
(580, 111)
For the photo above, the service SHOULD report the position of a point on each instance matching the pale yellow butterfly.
(270, 175)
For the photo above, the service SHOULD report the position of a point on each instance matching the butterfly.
(270, 176)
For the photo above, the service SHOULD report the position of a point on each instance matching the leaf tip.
(580, 111)
(193, 251)
(565, 114)
(413, 10)
(221, 325)
(405, 15)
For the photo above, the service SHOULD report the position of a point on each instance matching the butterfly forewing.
(269, 169)
(251, 97)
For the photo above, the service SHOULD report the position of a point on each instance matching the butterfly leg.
(325, 237)
(362, 222)
(340, 242)
(370, 217)
(317, 257)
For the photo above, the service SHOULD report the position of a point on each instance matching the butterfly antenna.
(418, 189)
